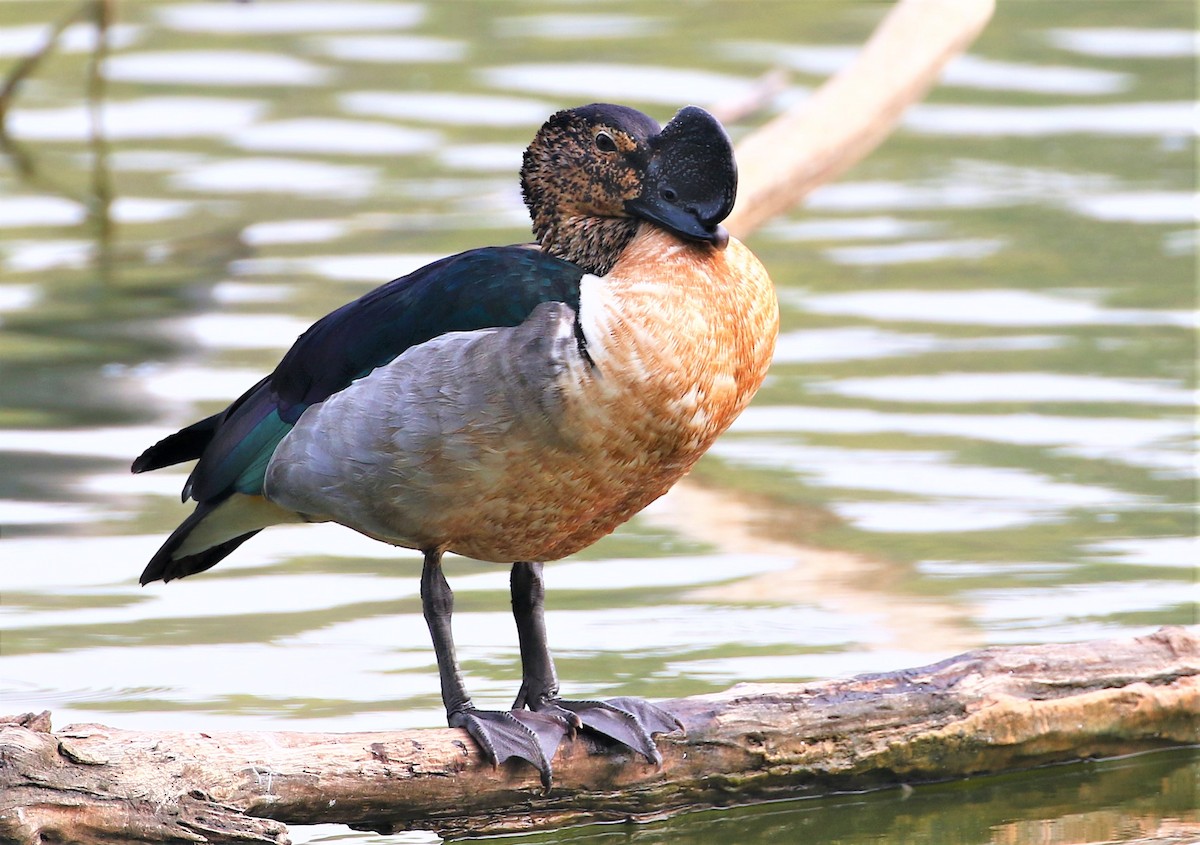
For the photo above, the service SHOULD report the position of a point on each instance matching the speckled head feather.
(592, 173)
(581, 167)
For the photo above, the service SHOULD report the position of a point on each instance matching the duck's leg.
(501, 734)
(629, 721)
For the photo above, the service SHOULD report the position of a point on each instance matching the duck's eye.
(605, 143)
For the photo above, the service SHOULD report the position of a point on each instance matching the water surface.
(979, 427)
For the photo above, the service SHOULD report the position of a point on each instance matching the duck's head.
(593, 173)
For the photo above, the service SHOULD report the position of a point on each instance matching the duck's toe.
(503, 734)
(629, 721)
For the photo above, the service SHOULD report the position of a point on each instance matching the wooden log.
(985, 711)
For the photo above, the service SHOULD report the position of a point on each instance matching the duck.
(511, 404)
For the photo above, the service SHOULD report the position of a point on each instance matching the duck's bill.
(691, 182)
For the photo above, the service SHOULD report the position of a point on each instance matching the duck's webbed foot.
(526, 734)
(632, 722)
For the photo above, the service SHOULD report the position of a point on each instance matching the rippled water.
(979, 427)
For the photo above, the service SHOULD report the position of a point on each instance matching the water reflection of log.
(986, 711)
(835, 580)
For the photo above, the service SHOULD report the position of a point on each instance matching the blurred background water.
(979, 427)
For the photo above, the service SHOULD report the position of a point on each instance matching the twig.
(100, 207)
(23, 163)
(758, 97)
(27, 65)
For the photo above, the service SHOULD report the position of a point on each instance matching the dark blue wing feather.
(482, 288)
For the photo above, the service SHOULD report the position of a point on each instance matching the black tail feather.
(165, 567)
(184, 445)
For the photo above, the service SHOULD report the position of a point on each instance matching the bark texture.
(985, 711)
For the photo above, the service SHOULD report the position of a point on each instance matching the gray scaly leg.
(528, 735)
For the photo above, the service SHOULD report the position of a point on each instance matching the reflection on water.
(334, 137)
(287, 17)
(915, 251)
(1015, 308)
(964, 72)
(337, 268)
(618, 82)
(1159, 443)
(213, 67)
(399, 49)
(581, 26)
(1022, 388)
(21, 40)
(278, 175)
(1086, 801)
(978, 428)
(148, 118)
(1176, 118)
(847, 344)
(1127, 42)
(447, 108)
(29, 211)
(1141, 207)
